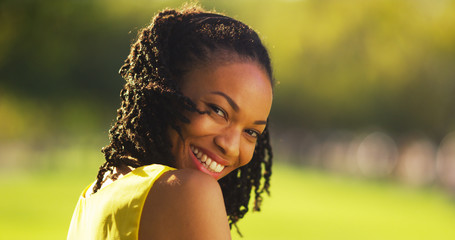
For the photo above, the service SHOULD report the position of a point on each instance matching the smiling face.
(237, 97)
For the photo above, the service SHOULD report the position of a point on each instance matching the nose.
(228, 141)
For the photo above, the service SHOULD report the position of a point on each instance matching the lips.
(208, 163)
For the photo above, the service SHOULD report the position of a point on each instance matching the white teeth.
(204, 158)
(207, 161)
(219, 168)
(213, 166)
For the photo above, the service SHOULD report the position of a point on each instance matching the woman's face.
(237, 97)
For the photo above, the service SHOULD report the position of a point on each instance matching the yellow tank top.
(114, 212)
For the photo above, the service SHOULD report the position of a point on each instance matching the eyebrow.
(259, 122)
(228, 99)
(235, 106)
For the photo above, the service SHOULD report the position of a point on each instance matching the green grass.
(309, 204)
(305, 204)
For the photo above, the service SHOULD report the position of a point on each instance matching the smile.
(206, 161)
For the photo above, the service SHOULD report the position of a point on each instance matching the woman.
(190, 142)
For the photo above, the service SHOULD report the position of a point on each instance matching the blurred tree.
(341, 64)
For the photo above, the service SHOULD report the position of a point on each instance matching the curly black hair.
(175, 42)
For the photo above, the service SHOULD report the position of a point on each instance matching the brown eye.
(253, 133)
(218, 111)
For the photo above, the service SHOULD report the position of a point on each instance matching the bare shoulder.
(187, 181)
(184, 204)
(185, 185)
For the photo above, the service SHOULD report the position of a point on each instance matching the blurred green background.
(362, 122)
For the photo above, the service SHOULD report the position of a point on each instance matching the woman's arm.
(184, 204)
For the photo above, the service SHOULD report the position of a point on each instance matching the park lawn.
(305, 204)
(311, 204)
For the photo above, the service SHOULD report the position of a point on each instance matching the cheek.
(247, 153)
(200, 125)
